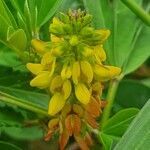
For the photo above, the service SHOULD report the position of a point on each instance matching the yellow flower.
(56, 103)
(56, 84)
(87, 71)
(39, 46)
(99, 53)
(34, 68)
(57, 51)
(66, 89)
(42, 80)
(66, 72)
(87, 51)
(73, 57)
(74, 40)
(82, 93)
(76, 72)
(114, 71)
(61, 86)
(55, 39)
(104, 33)
(48, 62)
(104, 73)
(56, 21)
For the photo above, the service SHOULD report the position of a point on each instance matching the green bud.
(67, 28)
(86, 20)
(87, 31)
(64, 18)
(56, 29)
(74, 40)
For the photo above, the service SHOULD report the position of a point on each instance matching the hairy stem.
(110, 99)
(141, 13)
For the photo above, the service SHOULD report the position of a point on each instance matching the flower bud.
(56, 103)
(87, 71)
(39, 46)
(42, 80)
(56, 84)
(35, 68)
(66, 72)
(74, 40)
(82, 93)
(76, 72)
(66, 89)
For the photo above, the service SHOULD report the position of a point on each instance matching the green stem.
(110, 99)
(141, 13)
(28, 106)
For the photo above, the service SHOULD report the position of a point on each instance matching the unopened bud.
(74, 40)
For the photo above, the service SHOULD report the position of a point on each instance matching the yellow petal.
(87, 71)
(42, 80)
(57, 51)
(101, 73)
(104, 73)
(52, 69)
(55, 39)
(48, 62)
(82, 93)
(75, 72)
(87, 52)
(66, 88)
(39, 46)
(56, 21)
(56, 103)
(74, 40)
(66, 72)
(104, 34)
(113, 71)
(47, 59)
(99, 53)
(56, 84)
(34, 68)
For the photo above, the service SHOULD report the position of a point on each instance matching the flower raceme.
(71, 68)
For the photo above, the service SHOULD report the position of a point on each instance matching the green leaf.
(146, 82)
(8, 146)
(18, 39)
(69, 4)
(24, 133)
(98, 17)
(106, 140)
(8, 58)
(12, 124)
(132, 93)
(5, 12)
(118, 124)
(140, 51)
(128, 44)
(3, 28)
(138, 134)
(33, 98)
(46, 9)
(8, 117)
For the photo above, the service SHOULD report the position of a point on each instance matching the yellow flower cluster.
(72, 69)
